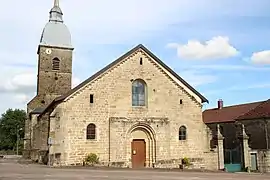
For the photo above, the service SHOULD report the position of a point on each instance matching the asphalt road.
(13, 170)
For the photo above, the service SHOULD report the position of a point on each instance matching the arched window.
(91, 131)
(56, 64)
(138, 93)
(182, 133)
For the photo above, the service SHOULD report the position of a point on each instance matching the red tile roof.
(232, 113)
(261, 111)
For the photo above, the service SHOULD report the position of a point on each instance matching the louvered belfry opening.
(56, 64)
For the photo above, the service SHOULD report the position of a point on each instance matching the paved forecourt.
(13, 170)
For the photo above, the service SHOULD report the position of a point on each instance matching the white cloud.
(216, 48)
(17, 79)
(21, 81)
(262, 57)
(19, 87)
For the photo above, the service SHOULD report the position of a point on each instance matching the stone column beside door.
(246, 149)
(220, 139)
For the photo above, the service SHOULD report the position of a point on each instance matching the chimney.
(220, 104)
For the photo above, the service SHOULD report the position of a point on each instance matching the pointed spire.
(56, 3)
(56, 14)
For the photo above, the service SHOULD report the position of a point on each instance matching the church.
(136, 112)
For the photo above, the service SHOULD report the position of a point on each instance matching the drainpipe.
(48, 133)
(30, 135)
(48, 136)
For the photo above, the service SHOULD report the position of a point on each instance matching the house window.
(91, 131)
(91, 98)
(182, 133)
(138, 93)
(56, 64)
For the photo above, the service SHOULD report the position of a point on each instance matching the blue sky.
(222, 48)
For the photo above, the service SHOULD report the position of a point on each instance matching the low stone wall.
(263, 160)
(211, 160)
(195, 163)
(11, 156)
(168, 163)
(206, 161)
(115, 164)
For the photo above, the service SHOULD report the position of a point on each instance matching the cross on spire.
(56, 14)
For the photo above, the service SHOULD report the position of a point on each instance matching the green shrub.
(91, 159)
(186, 161)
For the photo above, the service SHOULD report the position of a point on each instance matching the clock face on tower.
(48, 51)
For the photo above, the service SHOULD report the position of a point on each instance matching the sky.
(221, 48)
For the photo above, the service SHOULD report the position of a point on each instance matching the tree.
(12, 128)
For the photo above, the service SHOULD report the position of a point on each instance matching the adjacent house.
(245, 128)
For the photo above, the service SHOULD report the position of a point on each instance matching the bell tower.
(54, 58)
(54, 74)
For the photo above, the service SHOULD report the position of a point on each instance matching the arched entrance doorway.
(141, 146)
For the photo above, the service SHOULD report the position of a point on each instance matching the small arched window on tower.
(182, 133)
(55, 64)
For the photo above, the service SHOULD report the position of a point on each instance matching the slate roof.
(254, 110)
(38, 110)
(140, 46)
(55, 32)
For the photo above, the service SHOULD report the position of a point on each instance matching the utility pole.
(18, 139)
(17, 142)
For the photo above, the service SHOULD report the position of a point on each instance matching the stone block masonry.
(118, 122)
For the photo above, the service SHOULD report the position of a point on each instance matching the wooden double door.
(138, 153)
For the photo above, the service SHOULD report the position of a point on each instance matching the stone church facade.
(136, 112)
